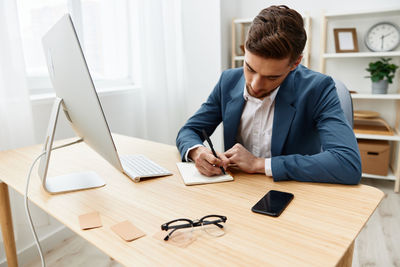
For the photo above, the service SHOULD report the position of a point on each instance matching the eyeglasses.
(211, 224)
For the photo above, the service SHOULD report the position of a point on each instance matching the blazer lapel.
(283, 115)
(233, 113)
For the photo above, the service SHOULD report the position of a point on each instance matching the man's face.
(264, 75)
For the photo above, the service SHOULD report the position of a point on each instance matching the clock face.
(383, 36)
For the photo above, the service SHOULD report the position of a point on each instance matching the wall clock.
(383, 36)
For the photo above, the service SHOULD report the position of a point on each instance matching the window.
(103, 30)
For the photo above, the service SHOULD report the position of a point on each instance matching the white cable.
(28, 214)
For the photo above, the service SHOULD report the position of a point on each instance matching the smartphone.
(273, 203)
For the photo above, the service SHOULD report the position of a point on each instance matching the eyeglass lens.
(180, 235)
(213, 226)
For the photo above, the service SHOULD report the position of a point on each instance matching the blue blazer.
(307, 117)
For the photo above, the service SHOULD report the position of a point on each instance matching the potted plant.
(382, 73)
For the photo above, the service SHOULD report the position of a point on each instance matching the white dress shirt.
(255, 128)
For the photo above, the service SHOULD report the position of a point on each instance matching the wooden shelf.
(395, 137)
(362, 54)
(367, 13)
(390, 176)
(376, 96)
(238, 21)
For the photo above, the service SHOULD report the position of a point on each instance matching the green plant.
(381, 69)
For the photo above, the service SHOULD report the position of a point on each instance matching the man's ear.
(296, 63)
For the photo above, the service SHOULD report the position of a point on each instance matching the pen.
(212, 148)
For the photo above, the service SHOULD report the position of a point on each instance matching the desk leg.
(347, 259)
(7, 226)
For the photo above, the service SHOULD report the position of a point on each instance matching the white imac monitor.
(77, 96)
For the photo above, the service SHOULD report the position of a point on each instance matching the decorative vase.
(380, 87)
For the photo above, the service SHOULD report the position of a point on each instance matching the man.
(279, 117)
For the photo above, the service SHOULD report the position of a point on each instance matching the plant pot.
(380, 87)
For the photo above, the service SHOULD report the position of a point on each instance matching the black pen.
(212, 148)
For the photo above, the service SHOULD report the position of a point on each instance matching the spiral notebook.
(191, 176)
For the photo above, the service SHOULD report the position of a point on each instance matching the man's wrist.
(194, 153)
(187, 156)
(259, 165)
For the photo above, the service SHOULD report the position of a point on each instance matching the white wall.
(229, 10)
(202, 45)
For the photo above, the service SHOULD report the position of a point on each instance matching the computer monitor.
(76, 94)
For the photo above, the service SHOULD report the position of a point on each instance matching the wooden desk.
(318, 228)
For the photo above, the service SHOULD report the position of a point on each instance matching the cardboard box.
(374, 156)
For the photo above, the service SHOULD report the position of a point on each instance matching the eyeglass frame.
(192, 224)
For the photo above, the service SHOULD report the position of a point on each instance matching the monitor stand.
(69, 182)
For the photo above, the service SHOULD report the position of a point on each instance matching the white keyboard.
(138, 166)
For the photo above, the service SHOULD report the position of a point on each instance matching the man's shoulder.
(232, 74)
(304, 74)
(231, 77)
(304, 81)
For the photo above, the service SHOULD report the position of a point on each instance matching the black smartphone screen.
(273, 203)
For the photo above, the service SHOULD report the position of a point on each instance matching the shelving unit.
(353, 63)
(362, 54)
(239, 30)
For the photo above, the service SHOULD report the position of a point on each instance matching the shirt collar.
(248, 97)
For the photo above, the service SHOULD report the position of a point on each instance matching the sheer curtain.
(162, 67)
(15, 111)
(16, 126)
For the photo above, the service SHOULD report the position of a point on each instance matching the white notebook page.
(191, 176)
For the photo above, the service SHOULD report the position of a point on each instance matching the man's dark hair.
(277, 32)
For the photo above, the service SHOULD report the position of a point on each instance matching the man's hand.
(244, 160)
(206, 163)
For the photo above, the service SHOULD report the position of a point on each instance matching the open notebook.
(191, 176)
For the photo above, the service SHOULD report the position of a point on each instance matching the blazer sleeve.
(208, 117)
(339, 161)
